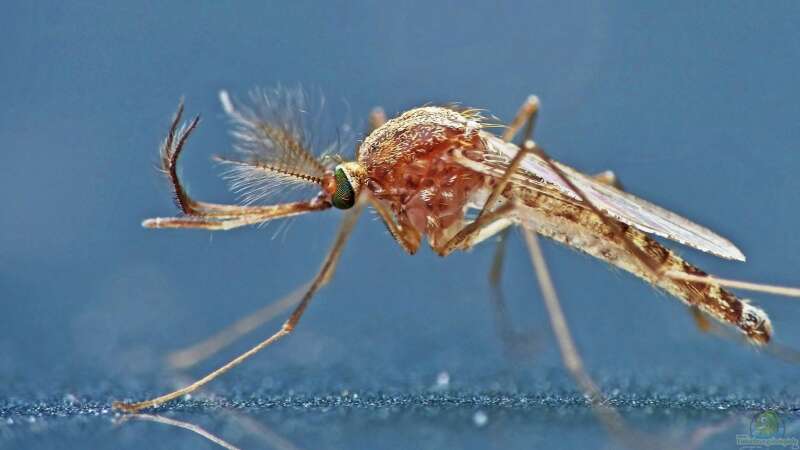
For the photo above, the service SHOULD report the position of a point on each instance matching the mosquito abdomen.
(569, 223)
(714, 300)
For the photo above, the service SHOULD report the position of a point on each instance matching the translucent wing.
(620, 205)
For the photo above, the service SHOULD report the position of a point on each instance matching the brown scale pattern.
(709, 297)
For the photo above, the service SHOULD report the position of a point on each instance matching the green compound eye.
(345, 196)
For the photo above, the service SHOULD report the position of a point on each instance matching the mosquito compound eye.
(345, 195)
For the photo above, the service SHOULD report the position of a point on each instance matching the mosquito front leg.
(190, 356)
(323, 276)
(194, 354)
(406, 236)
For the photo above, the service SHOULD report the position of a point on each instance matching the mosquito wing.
(629, 209)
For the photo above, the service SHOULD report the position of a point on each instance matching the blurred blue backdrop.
(695, 106)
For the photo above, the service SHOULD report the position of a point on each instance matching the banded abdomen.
(566, 221)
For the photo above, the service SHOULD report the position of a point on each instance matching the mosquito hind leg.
(323, 276)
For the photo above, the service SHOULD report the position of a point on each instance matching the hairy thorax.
(409, 167)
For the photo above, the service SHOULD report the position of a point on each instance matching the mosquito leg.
(323, 276)
(185, 425)
(608, 415)
(490, 224)
(515, 343)
(527, 115)
(406, 236)
(190, 356)
(480, 229)
(569, 352)
(496, 271)
(502, 321)
(196, 353)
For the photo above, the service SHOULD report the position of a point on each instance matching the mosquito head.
(345, 184)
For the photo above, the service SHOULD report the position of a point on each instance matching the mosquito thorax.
(410, 168)
(348, 179)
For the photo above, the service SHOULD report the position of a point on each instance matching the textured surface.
(694, 107)
(443, 414)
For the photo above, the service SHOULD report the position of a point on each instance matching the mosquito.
(439, 172)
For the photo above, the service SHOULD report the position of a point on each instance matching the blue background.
(695, 107)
